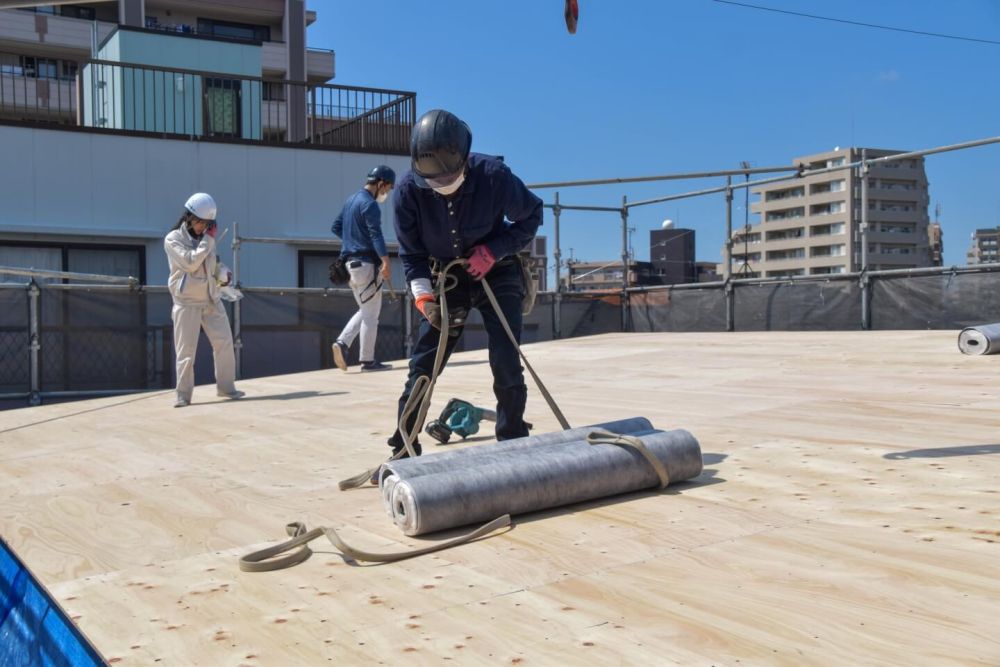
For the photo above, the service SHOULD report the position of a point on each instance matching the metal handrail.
(69, 275)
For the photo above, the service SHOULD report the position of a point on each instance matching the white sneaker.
(182, 403)
(235, 395)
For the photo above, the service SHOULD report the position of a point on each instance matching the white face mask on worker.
(449, 189)
(382, 197)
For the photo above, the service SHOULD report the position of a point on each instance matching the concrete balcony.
(320, 63)
(909, 217)
(52, 36)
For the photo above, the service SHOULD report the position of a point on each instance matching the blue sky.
(660, 86)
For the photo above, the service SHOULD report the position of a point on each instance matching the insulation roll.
(983, 339)
(474, 490)
(407, 468)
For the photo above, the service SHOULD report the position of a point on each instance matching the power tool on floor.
(459, 417)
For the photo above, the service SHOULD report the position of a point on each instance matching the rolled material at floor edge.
(549, 477)
(980, 339)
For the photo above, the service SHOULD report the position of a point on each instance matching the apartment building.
(671, 251)
(112, 113)
(607, 276)
(537, 260)
(985, 248)
(43, 48)
(935, 239)
(811, 226)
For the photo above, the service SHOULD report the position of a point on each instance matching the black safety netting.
(291, 332)
(94, 338)
(101, 340)
(15, 340)
(702, 309)
(947, 301)
(833, 305)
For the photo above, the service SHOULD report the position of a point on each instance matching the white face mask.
(382, 197)
(449, 189)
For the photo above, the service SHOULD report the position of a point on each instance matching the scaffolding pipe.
(664, 177)
(727, 259)
(237, 305)
(568, 207)
(68, 275)
(803, 173)
(866, 299)
(625, 258)
(557, 254)
(34, 342)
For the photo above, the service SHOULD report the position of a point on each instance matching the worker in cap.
(364, 254)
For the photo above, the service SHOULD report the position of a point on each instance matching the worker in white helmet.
(196, 277)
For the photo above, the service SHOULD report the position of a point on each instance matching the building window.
(222, 107)
(828, 186)
(785, 234)
(229, 30)
(825, 270)
(785, 194)
(827, 209)
(314, 267)
(108, 260)
(837, 250)
(778, 255)
(274, 91)
(785, 214)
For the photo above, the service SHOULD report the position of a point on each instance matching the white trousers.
(188, 321)
(368, 294)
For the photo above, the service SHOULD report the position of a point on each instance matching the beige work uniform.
(195, 291)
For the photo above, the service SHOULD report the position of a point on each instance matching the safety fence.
(71, 340)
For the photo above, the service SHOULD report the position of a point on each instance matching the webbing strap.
(270, 558)
(534, 376)
(601, 437)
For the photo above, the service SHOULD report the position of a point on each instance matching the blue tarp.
(34, 630)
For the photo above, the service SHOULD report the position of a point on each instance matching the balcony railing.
(130, 98)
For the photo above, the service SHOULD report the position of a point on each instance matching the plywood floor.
(849, 514)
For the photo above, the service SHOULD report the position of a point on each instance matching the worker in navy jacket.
(360, 226)
(458, 204)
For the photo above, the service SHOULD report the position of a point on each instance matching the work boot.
(374, 366)
(234, 396)
(340, 355)
(182, 403)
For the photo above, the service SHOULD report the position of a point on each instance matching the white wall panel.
(111, 181)
(63, 175)
(17, 178)
(60, 184)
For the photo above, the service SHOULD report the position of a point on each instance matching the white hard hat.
(202, 205)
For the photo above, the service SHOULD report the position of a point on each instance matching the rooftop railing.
(126, 98)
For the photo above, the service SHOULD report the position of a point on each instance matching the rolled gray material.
(982, 339)
(393, 471)
(528, 480)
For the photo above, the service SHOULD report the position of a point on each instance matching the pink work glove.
(480, 262)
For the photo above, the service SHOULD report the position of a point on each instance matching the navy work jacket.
(360, 226)
(431, 225)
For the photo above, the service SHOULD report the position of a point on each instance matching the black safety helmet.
(381, 173)
(439, 147)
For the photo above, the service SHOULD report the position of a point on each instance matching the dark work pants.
(508, 374)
